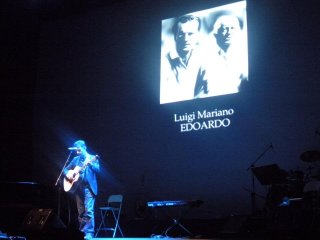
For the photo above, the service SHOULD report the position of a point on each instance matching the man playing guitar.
(80, 179)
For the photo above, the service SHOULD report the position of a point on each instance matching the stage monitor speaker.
(39, 220)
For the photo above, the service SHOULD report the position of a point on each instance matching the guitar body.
(71, 181)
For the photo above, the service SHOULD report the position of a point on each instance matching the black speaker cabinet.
(39, 219)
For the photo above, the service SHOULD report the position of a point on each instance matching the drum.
(312, 186)
(311, 195)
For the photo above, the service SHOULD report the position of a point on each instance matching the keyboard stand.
(177, 223)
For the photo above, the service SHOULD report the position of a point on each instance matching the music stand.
(269, 174)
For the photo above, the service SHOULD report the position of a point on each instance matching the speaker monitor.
(38, 220)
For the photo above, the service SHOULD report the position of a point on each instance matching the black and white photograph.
(204, 54)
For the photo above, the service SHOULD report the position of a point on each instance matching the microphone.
(73, 148)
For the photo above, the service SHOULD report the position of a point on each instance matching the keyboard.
(170, 203)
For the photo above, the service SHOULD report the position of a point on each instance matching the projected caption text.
(203, 120)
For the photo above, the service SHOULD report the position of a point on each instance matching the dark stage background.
(91, 71)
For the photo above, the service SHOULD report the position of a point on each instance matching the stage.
(293, 219)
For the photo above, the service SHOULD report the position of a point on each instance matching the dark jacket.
(87, 174)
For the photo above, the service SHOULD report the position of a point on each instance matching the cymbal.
(310, 156)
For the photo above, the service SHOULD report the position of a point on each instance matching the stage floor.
(224, 238)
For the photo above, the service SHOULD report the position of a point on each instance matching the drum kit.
(298, 185)
(312, 176)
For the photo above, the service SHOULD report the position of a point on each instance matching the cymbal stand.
(253, 192)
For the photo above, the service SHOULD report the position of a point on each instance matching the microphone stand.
(58, 180)
(253, 193)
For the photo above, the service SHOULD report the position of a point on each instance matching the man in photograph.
(180, 67)
(226, 68)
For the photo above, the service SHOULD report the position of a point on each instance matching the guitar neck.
(85, 165)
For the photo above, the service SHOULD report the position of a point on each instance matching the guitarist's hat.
(80, 144)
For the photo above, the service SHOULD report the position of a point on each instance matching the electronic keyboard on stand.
(172, 203)
(193, 203)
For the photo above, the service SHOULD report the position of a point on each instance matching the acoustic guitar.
(70, 184)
